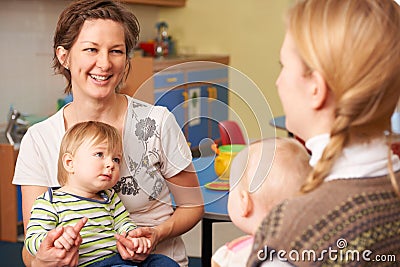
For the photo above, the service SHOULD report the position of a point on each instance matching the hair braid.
(338, 140)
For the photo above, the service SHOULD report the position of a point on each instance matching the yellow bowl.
(223, 161)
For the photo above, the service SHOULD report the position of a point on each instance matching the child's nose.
(110, 164)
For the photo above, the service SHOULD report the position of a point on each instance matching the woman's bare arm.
(29, 194)
(189, 201)
(190, 208)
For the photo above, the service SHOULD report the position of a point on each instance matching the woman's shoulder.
(144, 115)
(143, 108)
(334, 211)
(47, 133)
(325, 207)
(288, 222)
(296, 214)
(52, 125)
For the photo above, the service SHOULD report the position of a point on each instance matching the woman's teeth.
(99, 78)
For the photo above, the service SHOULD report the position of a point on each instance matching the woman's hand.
(50, 256)
(125, 246)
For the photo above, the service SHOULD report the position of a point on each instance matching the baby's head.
(91, 133)
(262, 175)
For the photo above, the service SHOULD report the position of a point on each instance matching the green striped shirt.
(105, 218)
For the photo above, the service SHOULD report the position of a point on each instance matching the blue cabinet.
(197, 114)
(218, 107)
(198, 97)
(174, 101)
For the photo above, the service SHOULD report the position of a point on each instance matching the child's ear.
(246, 204)
(68, 162)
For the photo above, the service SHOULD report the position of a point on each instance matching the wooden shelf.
(167, 3)
(8, 194)
(163, 63)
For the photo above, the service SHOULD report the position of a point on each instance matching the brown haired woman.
(92, 46)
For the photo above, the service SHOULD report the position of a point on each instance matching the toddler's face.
(96, 167)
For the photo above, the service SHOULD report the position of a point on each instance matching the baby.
(262, 175)
(88, 167)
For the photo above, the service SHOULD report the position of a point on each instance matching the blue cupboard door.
(197, 114)
(175, 101)
(218, 107)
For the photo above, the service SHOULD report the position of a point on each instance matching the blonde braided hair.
(355, 46)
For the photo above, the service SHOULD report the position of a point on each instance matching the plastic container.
(225, 155)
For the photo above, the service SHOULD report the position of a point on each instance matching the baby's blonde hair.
(289, 171)
(355, 46)
(90, 132)
(271, 166)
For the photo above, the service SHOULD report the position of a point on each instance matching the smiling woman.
(92, 47)
(120, 40)
(97, 63)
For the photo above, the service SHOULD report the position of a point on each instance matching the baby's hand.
(141, 244)
(67, 239)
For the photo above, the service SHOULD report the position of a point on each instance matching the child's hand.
(141, 245)
(69, 237)
(126, 243)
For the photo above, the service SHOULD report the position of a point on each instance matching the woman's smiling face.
(98, 58)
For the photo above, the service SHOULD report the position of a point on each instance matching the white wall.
(26, 77)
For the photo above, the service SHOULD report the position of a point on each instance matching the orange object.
(225, 156)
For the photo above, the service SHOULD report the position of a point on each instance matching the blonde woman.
(339, 86)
